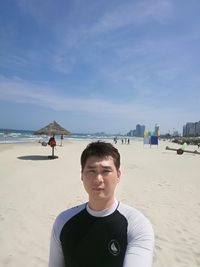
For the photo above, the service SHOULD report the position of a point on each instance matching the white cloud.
(132, 13)
(138, 110)
(19, 91)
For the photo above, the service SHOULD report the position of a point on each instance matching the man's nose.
(98, 178)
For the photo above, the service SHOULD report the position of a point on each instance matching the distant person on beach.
(102, 232)
(115, 140)
(61, 139)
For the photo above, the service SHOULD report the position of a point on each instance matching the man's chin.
(98, 195)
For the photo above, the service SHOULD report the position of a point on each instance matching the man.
(102, 232)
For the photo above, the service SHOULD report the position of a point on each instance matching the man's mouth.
(97, 189)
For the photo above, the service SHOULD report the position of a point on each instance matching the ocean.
(10, 136)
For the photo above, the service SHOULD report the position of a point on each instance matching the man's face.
(100, 177)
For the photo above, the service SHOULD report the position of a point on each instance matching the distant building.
(176, 133)
(191, 129)
(138, 132)
(184, 130)
(197, 128)
(131, 133)
(157, 130)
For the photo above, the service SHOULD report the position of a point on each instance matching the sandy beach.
(160, 183)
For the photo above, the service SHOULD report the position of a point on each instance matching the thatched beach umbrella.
(52, 128)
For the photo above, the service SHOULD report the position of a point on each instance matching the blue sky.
(99, 65)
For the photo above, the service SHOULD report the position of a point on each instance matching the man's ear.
(119, 174)
(81, 176)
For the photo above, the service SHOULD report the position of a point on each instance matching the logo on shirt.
(114, 247)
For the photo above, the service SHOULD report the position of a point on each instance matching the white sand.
(33, 190)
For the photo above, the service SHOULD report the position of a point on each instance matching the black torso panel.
(89, 241)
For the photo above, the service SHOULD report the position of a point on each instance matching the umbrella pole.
(52, 156)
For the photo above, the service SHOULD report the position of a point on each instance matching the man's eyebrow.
(90, 167)
(94, 167)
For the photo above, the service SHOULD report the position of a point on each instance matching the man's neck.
(101, 204)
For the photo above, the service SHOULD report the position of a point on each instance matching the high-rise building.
(184, 130)
(197, 128)
(191, 129)
(139, 131)
(156, 130)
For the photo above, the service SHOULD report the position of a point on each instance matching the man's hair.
(100, 149)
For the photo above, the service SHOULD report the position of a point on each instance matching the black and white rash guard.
(120, 236)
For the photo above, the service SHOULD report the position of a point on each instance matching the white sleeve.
(56, 258)
(140, 246)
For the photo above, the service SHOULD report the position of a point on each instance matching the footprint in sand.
(7, 261)
(1, 218)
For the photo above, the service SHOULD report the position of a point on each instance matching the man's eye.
(107, 171)
(91, 171)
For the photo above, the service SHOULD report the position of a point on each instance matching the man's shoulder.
(133, 215)
(66, 215)
(128, 210)
(138, 223)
